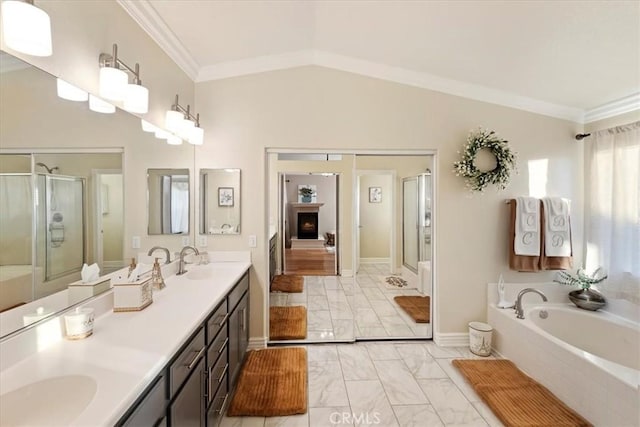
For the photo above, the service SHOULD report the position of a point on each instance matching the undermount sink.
(53, 401)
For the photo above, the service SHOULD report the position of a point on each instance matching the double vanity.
(173, 363)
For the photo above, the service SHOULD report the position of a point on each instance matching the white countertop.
(128, 350)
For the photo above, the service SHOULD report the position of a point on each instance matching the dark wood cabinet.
(195, 387)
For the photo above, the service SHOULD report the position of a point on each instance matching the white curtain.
(613, 208)
(179, 206)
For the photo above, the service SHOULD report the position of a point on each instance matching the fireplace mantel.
(307, 206)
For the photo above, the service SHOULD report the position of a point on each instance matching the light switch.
(135, 242)
(253, 241)
(202, 241)
(185, 240)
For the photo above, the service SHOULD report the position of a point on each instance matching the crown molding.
(615, 108)
(385, 72)
(150, 21)
(258, 64)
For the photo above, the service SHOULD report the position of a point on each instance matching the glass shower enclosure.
(417, 221)
(35, 254)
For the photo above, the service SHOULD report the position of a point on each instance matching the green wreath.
(478, 180)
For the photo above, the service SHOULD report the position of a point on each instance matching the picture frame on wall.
(225, 196)
(375, 194)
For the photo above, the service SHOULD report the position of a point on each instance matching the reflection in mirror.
(220, 201)
(168, 196)
(59, 206)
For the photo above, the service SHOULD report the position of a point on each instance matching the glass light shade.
(113, 83)
(173, 120)
(185, 128)
(174, 140)
(136, 99)
(26, 28)
(162, 134)
(148, 127)
(100, 106)
(70, 92)
(196, 136)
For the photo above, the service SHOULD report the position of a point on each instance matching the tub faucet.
(519, 310)
(166, 251)
(183, 252)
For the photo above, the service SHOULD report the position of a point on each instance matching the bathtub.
(589, 360)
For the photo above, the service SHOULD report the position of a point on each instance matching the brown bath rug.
(287, 283)
(288, 323)
(416, 306)
(272, 383)
(516, 399)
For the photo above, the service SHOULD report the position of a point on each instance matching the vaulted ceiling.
(561, 58)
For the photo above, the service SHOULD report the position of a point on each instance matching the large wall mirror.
(219, 201)
(62, 199)
(168, 197)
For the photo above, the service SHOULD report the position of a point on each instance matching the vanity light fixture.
(181, 122)
(70, 92)
(174, 140)
(114, 83)
(162, 134)
(26, 28)
(100, 106)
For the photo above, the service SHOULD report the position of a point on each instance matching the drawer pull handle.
(224, 344)
(223, 321)
(195, 359)
(224, 372)
(224, 402)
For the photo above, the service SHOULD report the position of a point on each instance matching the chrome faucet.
(166, 251)
(519, 311)
(183, 252)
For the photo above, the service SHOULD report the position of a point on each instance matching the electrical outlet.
(135, 242)
(202, 241)
(185, 240)
(253, 241)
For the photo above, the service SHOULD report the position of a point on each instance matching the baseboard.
(257, 343)
(346, 273)
(455, 339)
(374, 260)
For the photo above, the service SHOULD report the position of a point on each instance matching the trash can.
(480, 338)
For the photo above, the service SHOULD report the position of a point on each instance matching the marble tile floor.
(344, 308)
(384, 384)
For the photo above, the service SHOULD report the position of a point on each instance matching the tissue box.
(132, 296)
(79, 291)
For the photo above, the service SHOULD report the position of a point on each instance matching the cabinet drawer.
(217, 320)
(238, 291)
(152, 408)
(218, 404)
(217, 377)
(218, 348)
(186, 361)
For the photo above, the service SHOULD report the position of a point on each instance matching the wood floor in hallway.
(310, 262)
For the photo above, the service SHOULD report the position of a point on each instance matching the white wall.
(313, 107)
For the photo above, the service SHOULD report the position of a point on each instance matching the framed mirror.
(168, 201)
(219, 201)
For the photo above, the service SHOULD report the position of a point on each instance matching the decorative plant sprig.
(505, 161)
(306, 191)
(585, 281)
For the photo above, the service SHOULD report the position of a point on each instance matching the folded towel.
(557, 233)
(527, 238)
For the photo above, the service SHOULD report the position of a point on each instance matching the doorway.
(359, 303)
(108, 219)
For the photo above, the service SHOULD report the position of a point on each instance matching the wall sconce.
(100, 106)
(181, 122)
(114, 83)
(70, 92)
(26, 28)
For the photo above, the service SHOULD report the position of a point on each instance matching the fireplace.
(307, 225)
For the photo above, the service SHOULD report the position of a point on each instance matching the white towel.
(527, 238)
(557, 239)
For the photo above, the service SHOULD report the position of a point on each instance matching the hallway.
(310, 262)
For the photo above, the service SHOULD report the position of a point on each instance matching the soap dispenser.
(132, 266)
(156, 276)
